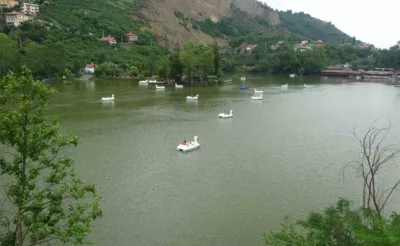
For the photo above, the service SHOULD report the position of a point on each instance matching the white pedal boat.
(257, 97)
(107, 99)
(192, 98)
(189, 146)
(225, 115)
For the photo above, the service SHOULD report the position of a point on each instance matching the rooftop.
(108, 38)
(14, 13)
(92, 65)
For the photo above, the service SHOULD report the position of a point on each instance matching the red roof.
(92, 65)
(109, 38)
(14, 13)
(130, 34)
(319, 42)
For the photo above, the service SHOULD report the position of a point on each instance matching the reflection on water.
(192, 102)
(90, 85)
(160, 92)
(108, 104)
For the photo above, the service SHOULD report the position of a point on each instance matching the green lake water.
(275, 157)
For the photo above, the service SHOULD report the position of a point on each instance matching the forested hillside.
(309, 27)
(95, 16)
(65, 36)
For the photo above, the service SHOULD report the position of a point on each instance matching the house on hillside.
(274, 47)
(15, 18)
(30, 8)
(365, 45)
(131, 37)
(304, 42)
(301, 47)
(109, 39)
(250, 47)
(277, 45)
(90, 68)
(319, 43)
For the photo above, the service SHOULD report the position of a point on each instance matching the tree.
(189, 59)
(206, 59)
(107, 69)
(344, 225)
(217, 61)
(9, 56)
(151, 63)
(46, 200)
(176, 66)
(45, 59)
(339, 225)
(133, 71)
(374, 158)
(163, 67)
(68, 75)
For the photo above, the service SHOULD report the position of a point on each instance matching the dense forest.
(66, 37)
(286, 60)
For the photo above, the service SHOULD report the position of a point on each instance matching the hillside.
(178, 21)
(175, 22)
(309, 27)
(66, 34)
(95, 16)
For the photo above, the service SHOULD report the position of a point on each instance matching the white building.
(30, 8)
(15, 18)
(90, 68)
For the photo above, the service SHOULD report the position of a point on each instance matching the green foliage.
(46, 200)
(309, 27)
(45, 60)
(108, 69)
(9, 55)
(197, 60)
(176, 66)
(339, 225)
(286, 60)
(387, 58)
(238, 24)
(68, 37)
(94, 16)
(163, 67)
(68, 75)
(180, 15)
(217, 61)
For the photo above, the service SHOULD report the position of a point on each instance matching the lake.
(275, 157)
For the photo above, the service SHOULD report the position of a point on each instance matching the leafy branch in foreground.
(339, 225)
(45, 200)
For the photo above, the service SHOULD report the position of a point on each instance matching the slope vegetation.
(309, 27)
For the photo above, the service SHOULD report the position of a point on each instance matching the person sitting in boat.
(184, 142)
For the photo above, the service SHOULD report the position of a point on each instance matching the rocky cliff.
(256, 8)
(171, 20)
